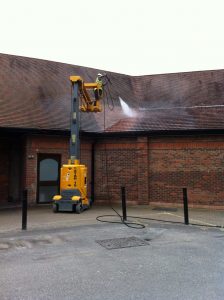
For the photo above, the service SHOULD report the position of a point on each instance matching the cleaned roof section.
(36, 94)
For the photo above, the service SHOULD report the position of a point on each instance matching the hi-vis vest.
(100, 82)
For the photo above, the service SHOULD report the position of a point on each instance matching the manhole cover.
(122, 243)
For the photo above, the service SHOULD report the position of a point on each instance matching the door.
(48, 182)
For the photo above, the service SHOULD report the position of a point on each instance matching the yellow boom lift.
(73, 177)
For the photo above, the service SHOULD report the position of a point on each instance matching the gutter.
(185, 132)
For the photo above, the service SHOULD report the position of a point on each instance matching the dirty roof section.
(36, 94)
(179, 101)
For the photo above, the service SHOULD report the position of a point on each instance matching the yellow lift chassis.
(73, 177)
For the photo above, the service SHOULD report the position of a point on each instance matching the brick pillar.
(142, 164)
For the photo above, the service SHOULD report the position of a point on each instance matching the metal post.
(185, 200)
(74, 125)
(24, 210)
(123, 198)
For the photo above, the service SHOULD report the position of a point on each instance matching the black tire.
(55, 207)
(78, 208)
(90, 203)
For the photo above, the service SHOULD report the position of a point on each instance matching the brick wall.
(41, 144)
(121, 162)
(193, 162)
(153, 169)
(86, 159)
(50, 145)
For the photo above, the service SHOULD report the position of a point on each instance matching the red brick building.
(173, 139)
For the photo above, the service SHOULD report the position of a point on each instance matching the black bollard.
(185, 200)
(24, 210)
(123, 198)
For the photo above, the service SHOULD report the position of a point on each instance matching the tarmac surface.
(58, 257)
(42, 217)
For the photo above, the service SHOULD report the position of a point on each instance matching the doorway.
(48, 179)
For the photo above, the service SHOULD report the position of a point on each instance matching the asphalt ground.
(179, 262)
(42, 217)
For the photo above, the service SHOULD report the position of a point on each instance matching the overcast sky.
(133, 37)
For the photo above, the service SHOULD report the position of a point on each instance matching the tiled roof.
(172, 120)
(36, 94)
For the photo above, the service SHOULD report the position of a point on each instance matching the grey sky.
(131, 37)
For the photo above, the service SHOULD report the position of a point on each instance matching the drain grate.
(122, 243)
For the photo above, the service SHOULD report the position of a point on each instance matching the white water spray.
(126, 109)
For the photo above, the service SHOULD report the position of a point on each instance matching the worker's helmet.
(99, 75)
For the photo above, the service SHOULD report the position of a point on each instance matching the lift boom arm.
(80, 94)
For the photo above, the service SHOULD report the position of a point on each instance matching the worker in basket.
(98, 92)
